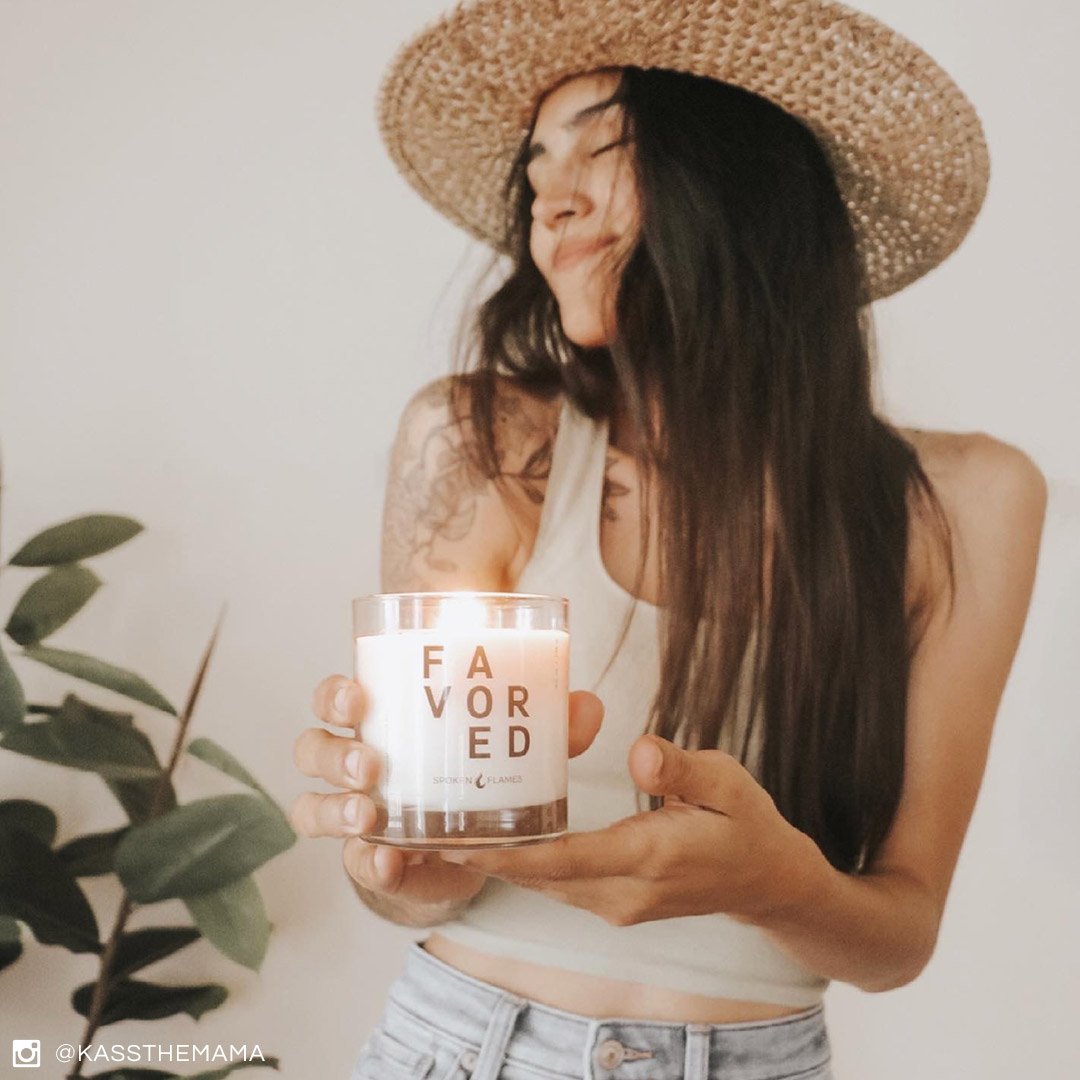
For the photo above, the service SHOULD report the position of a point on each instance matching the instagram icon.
(25, 1053)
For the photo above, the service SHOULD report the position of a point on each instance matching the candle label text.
(465, 720)
(479, 703)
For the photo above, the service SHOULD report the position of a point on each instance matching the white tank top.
(714, 955)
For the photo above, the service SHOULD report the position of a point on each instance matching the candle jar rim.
(480, 594)
(379, 613)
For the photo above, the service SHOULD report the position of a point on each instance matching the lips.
(571, 252)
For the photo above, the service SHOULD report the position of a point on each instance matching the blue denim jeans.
(442, 1024)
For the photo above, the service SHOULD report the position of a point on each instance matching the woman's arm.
(718, 844)
(443, 525)
(878, 930)
(446, 527)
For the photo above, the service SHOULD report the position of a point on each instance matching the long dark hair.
(741, 311)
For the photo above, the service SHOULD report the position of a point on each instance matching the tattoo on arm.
(433, 488)
(403, 913)
(431, 493)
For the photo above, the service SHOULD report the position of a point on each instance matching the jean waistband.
(507, 1026)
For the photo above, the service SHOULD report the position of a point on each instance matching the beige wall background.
(215, 297)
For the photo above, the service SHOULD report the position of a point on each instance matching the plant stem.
(97, 1002)
(127, 905)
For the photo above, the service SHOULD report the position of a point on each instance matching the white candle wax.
(467, 719)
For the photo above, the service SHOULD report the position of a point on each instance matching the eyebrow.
(575, 121)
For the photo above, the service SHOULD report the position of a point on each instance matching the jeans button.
(611, 1053)
(469, 1059)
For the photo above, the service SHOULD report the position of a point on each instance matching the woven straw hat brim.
(907, 146)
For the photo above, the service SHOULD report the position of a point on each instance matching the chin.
(587, 332)
(587, 341)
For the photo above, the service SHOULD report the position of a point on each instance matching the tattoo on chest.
(612, 491)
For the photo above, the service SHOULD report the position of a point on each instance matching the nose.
(563, 195)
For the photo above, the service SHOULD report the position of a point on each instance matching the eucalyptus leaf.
(92, 854)
(139, 948)
(233, 919)
(62, 740)
(50, 602)
(135, 1074)
(12, 701)
(10, 941)
(219, 1074)
(100, 673)
(137, 797)
(214, 754)
(80, 709)
(213, 1074)
(37, 888)
(33, 816)
(132, 999)
(77, 538)
(200, 846)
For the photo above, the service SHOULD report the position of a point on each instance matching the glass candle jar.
(468, 706)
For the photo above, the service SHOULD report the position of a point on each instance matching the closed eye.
(596, 153)
(611, 146)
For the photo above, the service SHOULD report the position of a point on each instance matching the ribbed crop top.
(714, 955)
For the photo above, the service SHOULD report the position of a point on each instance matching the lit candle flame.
(464, 612)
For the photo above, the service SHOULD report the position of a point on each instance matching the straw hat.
(906, 145)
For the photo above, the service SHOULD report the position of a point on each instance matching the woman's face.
(585, 212)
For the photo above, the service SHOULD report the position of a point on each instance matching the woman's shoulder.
(524, 417)
(965, 465)
(440, 489)
(525, 420)
(941, 453)
(529, 418)
(992, 493)
(525, 423)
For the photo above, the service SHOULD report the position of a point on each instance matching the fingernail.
(352, 811)
(341, 701)
(382, 865)
(352, 764)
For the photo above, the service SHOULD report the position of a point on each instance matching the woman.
(811, 611)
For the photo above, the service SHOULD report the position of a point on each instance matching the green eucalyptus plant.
(202, 852)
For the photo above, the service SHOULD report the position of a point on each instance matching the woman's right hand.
(419, 878)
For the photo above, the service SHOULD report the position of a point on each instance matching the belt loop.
(500, 1028)
(696, 1062)
(587, 1052)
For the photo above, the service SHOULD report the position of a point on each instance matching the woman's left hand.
(718, 844)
